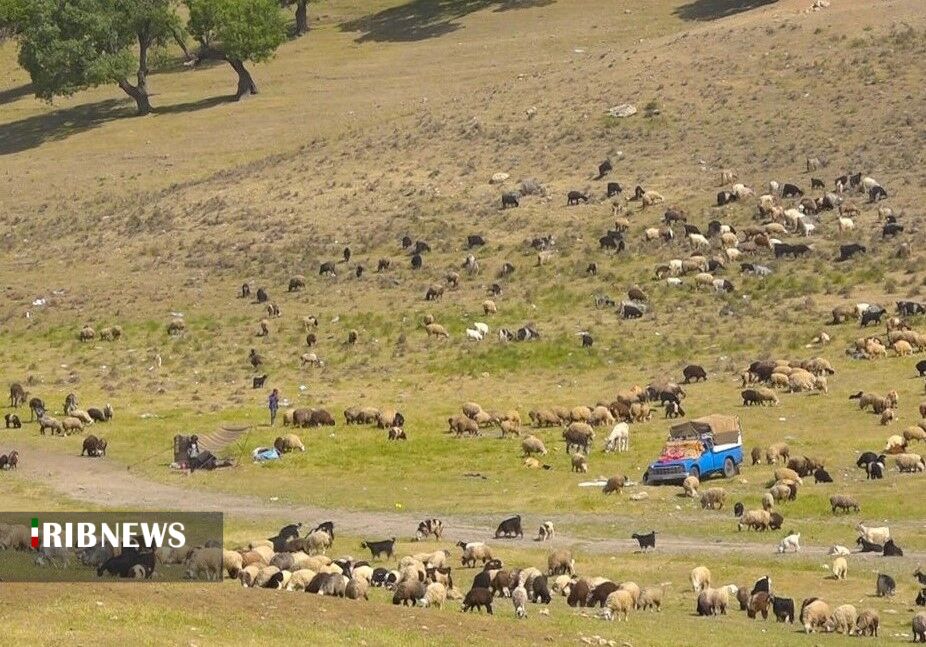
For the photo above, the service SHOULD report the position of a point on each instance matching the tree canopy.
(237, 31)
(70, 45)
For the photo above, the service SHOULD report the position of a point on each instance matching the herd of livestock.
(299, 563)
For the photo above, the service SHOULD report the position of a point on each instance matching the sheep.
(914, 433)
(843, 502)
(918, 626)
(909, 463)
(768, 501)
(843, 619)
(208, 561)
(317, 542)
(791, 542)
(713, 498)
(710, 600)
(614, 484)
(754, 520)
(840, 568)
(885, 586)
(533, 445)
(474, 551)
(619, 603)
(70, 424)
(837, 549)
(288, 443)
(786, 474)
(700, 578)
(690, 485)
(815, 614)
(519, 601)
(779, 492)
(561, 562)
(649, 198)
(436, 330)
(579, 463)
(578, 435)
(867, 623)
(775, 451)
(874, 535)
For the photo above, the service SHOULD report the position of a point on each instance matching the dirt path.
(103, 483)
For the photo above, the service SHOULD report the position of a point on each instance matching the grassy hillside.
(389, 119)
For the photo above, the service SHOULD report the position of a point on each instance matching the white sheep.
(806, 227)
(845, 224)
(519, 600)
(675, 266)
(474, 334)
(619, 438)
(791, 542)
(481, 327)
(867, 184)
(773, 187)
(698, 241)
(674, 281)
(837, 549)
(742, 191)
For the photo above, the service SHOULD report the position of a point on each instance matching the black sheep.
(693, 373)
(762, 584)
(885, 586)
(573, 197)
(510, 528)
(646, 541)
(738, 509)
(540, 591)
(614, 188)
(891, 549)
(783, 608)
(510, 200)
(477, 599)
(866, 546)
(604, 168)
(820, 475)
(122, 565)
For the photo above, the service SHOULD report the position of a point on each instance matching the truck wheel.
(646, 478)
(695, 472)
(729, 469)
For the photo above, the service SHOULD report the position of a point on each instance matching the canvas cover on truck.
(724, 429)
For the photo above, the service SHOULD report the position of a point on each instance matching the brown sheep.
(614, 484)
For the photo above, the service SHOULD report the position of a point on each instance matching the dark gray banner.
(111, 546)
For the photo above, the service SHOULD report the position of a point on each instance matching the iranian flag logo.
(35, 533)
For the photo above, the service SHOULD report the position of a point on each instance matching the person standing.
(273, 403)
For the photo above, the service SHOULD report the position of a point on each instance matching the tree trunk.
(302, 17)
(246, 85)
(140, 94)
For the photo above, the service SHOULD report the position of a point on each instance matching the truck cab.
(701, 448)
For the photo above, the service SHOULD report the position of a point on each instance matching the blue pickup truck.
(700, 448)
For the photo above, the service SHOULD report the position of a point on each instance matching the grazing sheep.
(474, 551)
(519, 601)
(815, 615)
(533, 445)
(918, 627)
(436, 330)
(843, 502)
(711, 600)
(713, 498)
(867, 623)
(777, 451)
(288, 443)
(614, 484)
(843, 619)
(910, 463)
(619, 603)
(840, 568)
(754, 520)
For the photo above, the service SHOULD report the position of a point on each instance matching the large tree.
(70, 45)
(237, 31)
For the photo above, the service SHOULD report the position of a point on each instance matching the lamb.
(713, 498)
(840, 568)
(690, 485)
(614, 484)
(815, 615)
(579, 463)
(843, 502)
(700, 578)
(791, 542)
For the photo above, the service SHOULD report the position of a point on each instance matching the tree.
(302, 14)
(71, 45)
(236, 31)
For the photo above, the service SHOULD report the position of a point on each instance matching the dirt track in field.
(108, 484)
